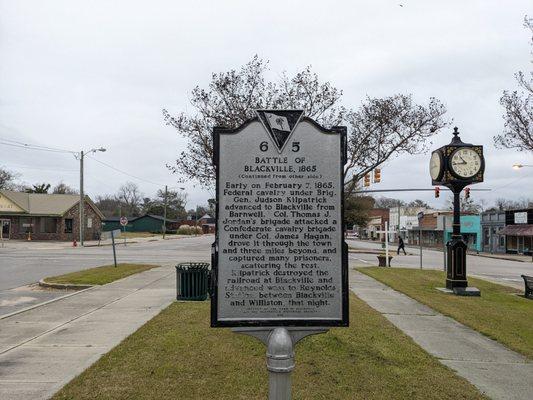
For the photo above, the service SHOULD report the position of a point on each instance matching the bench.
(528, 281)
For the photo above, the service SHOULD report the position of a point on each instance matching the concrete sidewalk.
(495, 370)
(44, 348)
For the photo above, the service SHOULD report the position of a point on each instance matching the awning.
(518, 230)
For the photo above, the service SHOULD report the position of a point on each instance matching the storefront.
(519, 231)
(492, 226)
(470, 231)
(36, 216)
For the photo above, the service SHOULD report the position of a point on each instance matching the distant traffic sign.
(123, 221)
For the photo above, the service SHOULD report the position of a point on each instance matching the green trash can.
(192, 281)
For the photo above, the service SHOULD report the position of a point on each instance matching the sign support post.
(420, 216)
(124, 222)
(387, 263)
(280, 343)
(114, 250)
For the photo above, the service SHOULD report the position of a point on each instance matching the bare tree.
(380, 128)
(63, 188)
(7, 179)
(388, 202)
(383, 128)
(109, 205)
(518, 110)
(418, 203)
(502, 204)
(467, 205)
(131, 198)
(176, 201)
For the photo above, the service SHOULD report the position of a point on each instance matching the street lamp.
(518, 166)
(82, 154)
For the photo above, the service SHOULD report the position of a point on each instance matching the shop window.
(68, 225)
(48, 225)
(25, 225)
(485, 237)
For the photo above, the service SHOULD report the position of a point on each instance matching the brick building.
(376, 223)
(46, 216)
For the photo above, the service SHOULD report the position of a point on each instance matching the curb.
(64, 286)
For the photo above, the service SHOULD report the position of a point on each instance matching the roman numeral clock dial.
(465, 162)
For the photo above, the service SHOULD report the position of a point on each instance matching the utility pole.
(165, 212)
(196, 221)
(82, 154)
(82, 200)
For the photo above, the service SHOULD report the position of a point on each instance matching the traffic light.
(467, 193)
(367, 180)
(437, 192)
(377, 175)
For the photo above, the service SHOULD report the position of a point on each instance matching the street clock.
(457, 164)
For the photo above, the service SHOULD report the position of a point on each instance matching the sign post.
(114, 250)
(420, 217)
(280, 264)
(124, 222)
(387, 263)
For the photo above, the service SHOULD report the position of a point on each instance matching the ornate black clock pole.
(456, 166)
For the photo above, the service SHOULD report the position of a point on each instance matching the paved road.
(22, 265)
(500, 271)
(27, 265)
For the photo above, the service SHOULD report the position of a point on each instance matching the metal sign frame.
(281, 322)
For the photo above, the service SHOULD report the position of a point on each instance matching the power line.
(17, 166)
(14, 143)
(510, 183)
(126, 173)
(36, 145)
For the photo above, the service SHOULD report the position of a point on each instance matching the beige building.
(46, 216)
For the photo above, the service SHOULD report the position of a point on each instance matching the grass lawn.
(100, 275)
(133, 235)
(177, 355)
(499, 313)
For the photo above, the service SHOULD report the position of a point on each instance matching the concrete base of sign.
(462, 291)
(280, 344)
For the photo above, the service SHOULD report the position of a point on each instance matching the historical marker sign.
(279, 258)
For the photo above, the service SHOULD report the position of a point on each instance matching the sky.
(79, 75)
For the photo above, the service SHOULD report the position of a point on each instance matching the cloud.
(87, 74)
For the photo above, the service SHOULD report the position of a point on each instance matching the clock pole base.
(461, 291)
(453, 284)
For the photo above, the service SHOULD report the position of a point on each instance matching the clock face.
(465, 162)
(435, 164)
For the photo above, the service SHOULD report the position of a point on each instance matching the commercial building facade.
(518, 231)
(436, 229)
(492, 226)
(36, 216)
